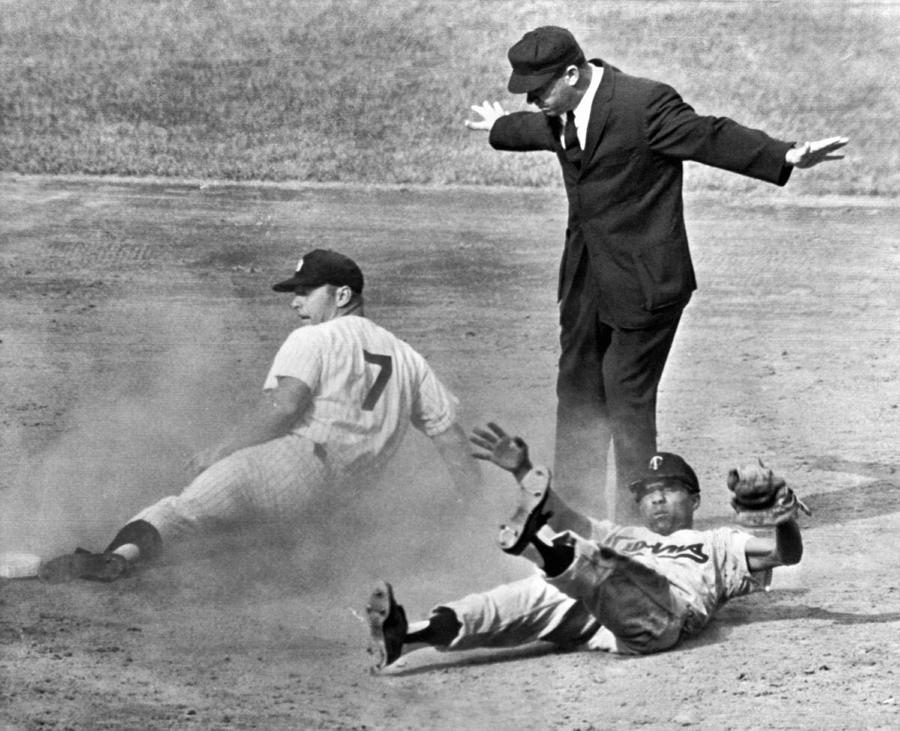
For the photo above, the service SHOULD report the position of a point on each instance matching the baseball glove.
(760, 498)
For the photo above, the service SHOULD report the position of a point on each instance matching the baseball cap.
(323, 266)
(663, 467)
(539, 56)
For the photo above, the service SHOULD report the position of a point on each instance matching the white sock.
(128, 551)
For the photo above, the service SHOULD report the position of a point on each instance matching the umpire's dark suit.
(626, 271)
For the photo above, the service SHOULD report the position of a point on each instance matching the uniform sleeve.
(522, 132)
(300, 356)
(434, 408)
(676, 130)
(730, 547)
(601, 530)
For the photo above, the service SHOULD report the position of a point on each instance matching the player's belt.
(320, 452)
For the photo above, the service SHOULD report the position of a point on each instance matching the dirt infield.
(138, 320)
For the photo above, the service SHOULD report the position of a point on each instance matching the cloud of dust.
(139, 415)
(412, 528)
(408, 527)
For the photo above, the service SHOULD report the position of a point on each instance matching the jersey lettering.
(386, 368)
(693, 551)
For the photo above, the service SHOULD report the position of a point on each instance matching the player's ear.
(343, 296)
(696, 497)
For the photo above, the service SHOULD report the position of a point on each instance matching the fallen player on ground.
(629, 590)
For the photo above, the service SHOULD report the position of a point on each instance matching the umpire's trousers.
(606, 390)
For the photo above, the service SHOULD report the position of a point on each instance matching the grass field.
(376, 91)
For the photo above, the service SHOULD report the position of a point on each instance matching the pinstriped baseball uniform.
(367, 387)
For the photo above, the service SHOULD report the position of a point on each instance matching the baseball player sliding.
(630, 590)
(337, 401)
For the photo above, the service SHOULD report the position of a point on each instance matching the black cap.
(323, 266)
(541, 55)
(663, 467)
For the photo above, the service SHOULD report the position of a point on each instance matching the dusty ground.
(137, 320)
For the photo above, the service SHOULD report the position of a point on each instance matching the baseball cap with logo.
(541, 55)
(323, 266)
(661, 468)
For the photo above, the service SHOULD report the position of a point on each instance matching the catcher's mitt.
(760, 498)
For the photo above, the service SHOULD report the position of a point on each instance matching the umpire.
(626, 272)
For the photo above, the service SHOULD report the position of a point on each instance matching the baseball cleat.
(387, 626)
(83, 565)
(529, 516)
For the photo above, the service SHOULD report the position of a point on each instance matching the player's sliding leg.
(509, 615)
(229, 492)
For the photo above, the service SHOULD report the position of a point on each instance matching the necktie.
(570, 138)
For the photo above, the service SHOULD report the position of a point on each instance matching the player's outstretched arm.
(453, 447)
(810, 154)
(762, 499)
(784, 548)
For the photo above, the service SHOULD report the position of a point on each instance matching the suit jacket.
(625, 200)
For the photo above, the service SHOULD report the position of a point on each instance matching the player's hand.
(508, 453)
(812, 153)
(489, 112)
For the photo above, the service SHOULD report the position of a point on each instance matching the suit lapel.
(600, 109)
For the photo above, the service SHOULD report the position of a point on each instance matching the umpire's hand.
(812, 153)
(489, 112)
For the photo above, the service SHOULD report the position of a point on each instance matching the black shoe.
(83, 565)
(387, 626)
(529, 516)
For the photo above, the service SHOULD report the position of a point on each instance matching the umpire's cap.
(323, 266)
(663, 467)
(540, 56)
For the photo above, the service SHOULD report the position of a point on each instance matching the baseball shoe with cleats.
(387, 626)
(83, 564)
(529, 515)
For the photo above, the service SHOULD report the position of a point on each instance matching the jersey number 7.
(385, 368)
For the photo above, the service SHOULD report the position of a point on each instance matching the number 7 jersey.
(367, 387)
